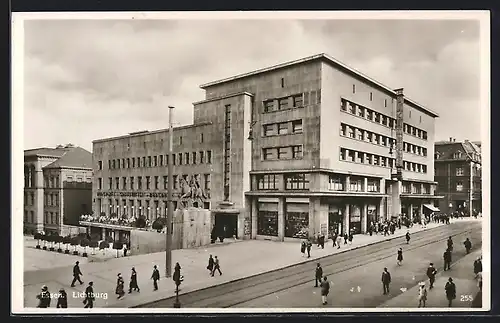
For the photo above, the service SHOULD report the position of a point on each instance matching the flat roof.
(146, 132)
(330, 60)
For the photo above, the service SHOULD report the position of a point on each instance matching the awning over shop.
(431, 207)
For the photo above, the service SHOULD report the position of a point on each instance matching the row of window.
(29, 216)
(291, 102)
(51, 199)
(282, 128)
(29, 176)
(299, 181)
(187, 158)
(414, 167)
(408, 188)
(366, 158)
(51, 218)
(380, 118)
(150, 182)
(365, 135)
(29, 198)
(414, 149)
(337, 183)
(282, 153)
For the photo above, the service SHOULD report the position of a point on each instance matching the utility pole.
(170, 208)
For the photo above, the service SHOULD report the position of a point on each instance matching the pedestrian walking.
(319, 274)
(351, 236)
(447, 259)
(308, 246)
(480, 281)
(120, 285)
(407, 236)
(386, 280)
(346, 237)
(339, 241)
(216, 267)
(370, 229)
(303, 247)
(210, 266)
(133, 282)
(155, 277)
(449, 243)
(76, 274)
(325, 290)
(422, 295)
(334, 238)
(431, 273)
(322, 241)
(400, 256)
(62, 299)
(478, 266)
(451, 291)
(467, 245)
(89, 296)
(44, 297)
(125, 250)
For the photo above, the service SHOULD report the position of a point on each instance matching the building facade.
(458, 174)
(284, 152)
(57, 188)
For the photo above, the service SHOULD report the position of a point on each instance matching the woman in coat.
(422, 295)
(400, 256)
(303, 248)
(325, 290)
(133, 282)
(210, 266)
(120, 283)
(451, 291)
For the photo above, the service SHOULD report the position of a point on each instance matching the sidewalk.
(238, 260)
(463, 277)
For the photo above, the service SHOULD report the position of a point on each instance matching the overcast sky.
(91, 79)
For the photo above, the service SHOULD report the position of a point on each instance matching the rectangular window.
(342, 154)
(460, 171)
(206, 181)
(201, 157)
(269, 106)
(297, 152)
(351, 132)
(193, 160)
(165, 182)
(283, 128)
(99, 163)
(201, 138)
(139, 182)
(161, 160)
(343, 105)
(356, 185)
(298, 101)
(179, 158)
(268, 153)
(297, 181)
(173, 159)
(283, 153)
(354, 88)
(155, 161)
(133, 162)
(360, 134)
(110, 183)
(351, 155)
(180, 140)
(373, 186)
(361, 112)
(186, 155)
(157, 182)
(176, 181)
(371, 96)
(267, 223)
(268, 182)
(148, 182)
(297, 126)
(124, 183)
(99, 181)
(352, 108)
(460, 186)
(369, 115)
(335, 183)
(209, 156)
(117, 183)
(283, 104)
(269, 130)
(143, 161)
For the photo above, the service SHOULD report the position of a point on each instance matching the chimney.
(454, 139)
(451, 139)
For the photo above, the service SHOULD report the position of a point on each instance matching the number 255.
(465, 298)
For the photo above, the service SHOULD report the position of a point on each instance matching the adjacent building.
(57, 188)
(458, 174)
(288, 151)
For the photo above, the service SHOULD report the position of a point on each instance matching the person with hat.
(76, 274)
(62, 300)
(386, 280)
(44, 297)
(155, 277)
(133, 282)
(400, 256)
(422, 294)
(89, 296)
(319, 274)
(120, 283)
(478, 266)
(431, 273)
(451, 291)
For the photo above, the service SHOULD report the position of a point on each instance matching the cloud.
(86, 80)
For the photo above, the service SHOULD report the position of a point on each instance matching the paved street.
(238, 260)
(355, 275)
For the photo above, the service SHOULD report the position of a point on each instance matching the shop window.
(297, 225)
(267, 223)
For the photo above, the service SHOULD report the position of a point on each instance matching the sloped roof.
(448, 148)
(74, 157)
(56, 152)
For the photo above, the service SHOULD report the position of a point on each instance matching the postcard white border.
(17, 295)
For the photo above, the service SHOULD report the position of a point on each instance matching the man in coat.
(478, 266)
(449, 243)
(467, 245)
(325, 290)
(308, 246)
(89, 296)
(155, 277)
(431, 273)
(451, 291)
(386, 280)
(319, 274)
(447, 259)
(133, 282)
(44, 297)
(76, 274)
(62, 300)
(210, 266)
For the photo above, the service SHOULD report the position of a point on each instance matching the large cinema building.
(283, 152)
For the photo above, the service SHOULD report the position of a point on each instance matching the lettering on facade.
(132, 194)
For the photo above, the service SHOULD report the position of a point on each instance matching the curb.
(277, 269)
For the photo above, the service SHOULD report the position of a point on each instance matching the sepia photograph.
(250, 162)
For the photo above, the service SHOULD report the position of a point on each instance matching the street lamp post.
(170, 211)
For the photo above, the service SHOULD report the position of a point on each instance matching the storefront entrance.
(355, 219)
(226, 225)
(335, 223)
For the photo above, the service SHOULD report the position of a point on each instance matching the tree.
(158, 225)
(140, 222)
(103, 245)
(84, 243)
(38, 236)
(93, 244)
(67, 241)
(44, 239)
(118, 245)
(75, 242)
(58, 239)
(50, 240)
